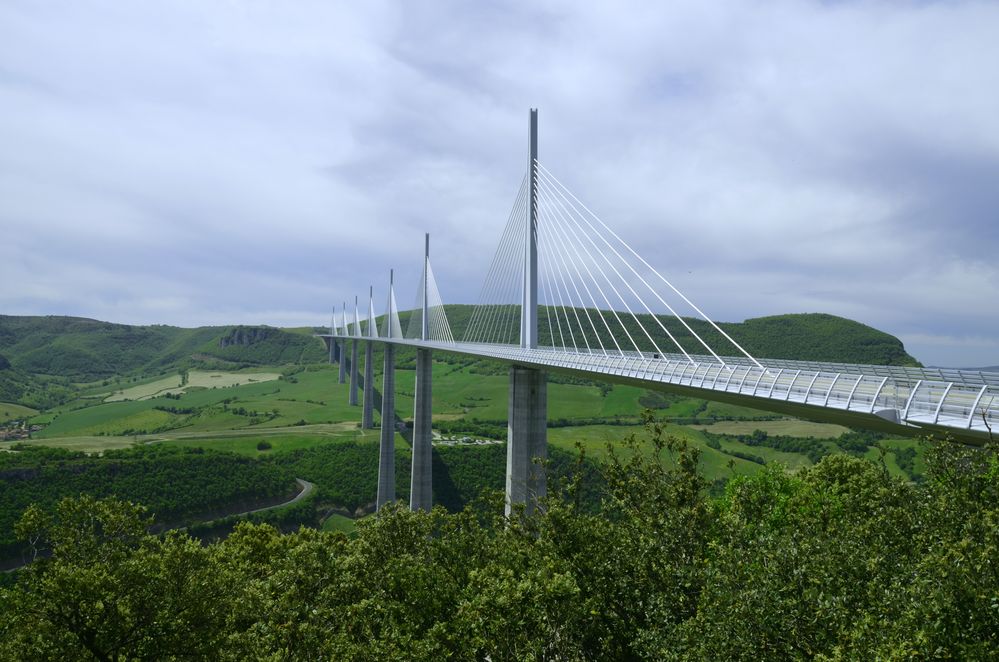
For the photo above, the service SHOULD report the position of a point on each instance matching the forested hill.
(804, 336)
(84, 349)
(818, 337)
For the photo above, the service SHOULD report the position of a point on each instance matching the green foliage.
(109, 591)
(346, 473)
(264, 345)
(837, 562)
(177, 484)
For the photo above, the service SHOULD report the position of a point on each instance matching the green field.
(146, 390)
(339, 523)
(789, 428)
(12, 412)
(279, 442)
(196, 379)
(92, 445)
(309, 408)
(594, 439)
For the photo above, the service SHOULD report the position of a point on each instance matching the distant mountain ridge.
(42, 353)
(39, 356)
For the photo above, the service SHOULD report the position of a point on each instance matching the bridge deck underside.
(904, 400)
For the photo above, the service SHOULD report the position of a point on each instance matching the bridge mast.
(529, 304)
(527, 408)
(425, 327)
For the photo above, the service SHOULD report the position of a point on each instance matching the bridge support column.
(367, 415)
(386, 450)
(420, 491)
(352, 396)
(527, 438)
(342, 358)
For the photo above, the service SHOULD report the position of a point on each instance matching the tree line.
(838, 561)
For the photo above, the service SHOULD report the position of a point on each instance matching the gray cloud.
(193, 163)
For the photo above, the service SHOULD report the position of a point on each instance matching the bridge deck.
(964, 404)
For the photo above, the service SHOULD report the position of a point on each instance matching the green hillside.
(84, 350)
(42, 357)
(800, 336)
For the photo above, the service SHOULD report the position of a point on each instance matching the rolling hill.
(41, 357)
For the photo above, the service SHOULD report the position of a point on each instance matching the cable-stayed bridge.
(565, 293)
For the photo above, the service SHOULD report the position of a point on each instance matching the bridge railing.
(967, 405)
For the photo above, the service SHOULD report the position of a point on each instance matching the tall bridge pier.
(527, 410)
(343, 348)
(527, 438)
(352, 394)
(420, 490)
(386, 447)
(333, 339)
(367, 412)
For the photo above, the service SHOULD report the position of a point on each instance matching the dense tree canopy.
(838, 561)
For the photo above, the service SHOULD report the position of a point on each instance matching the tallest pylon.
(527, 409)
(529, 304)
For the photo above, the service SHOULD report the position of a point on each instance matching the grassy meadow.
(236, 411)
(12, 412)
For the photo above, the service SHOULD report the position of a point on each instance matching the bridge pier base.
(352, 395)
(420, 491)
(367, 414)
(386, 449)
(527, 438)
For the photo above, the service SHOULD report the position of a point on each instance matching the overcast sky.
(208, 162)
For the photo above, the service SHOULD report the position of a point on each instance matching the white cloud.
(185, 162)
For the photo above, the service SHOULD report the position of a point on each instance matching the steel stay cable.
(546, 279)
(611, 284)
(552, 272)
(481, 323)
(628, 285)
(549, 174)
(500, 275)
(563, 273)
(493, 280)
(656, 294)
(596, 307)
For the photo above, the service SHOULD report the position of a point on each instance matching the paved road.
(307, 488)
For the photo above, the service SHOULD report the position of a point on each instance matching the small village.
(16, 430)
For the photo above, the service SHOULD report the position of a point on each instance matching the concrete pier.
(352, 398)
(386, 449)
(367, 415)
(420, 491)
(527, 438)
(342, 357)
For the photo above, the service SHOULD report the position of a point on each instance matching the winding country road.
(307, 488)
